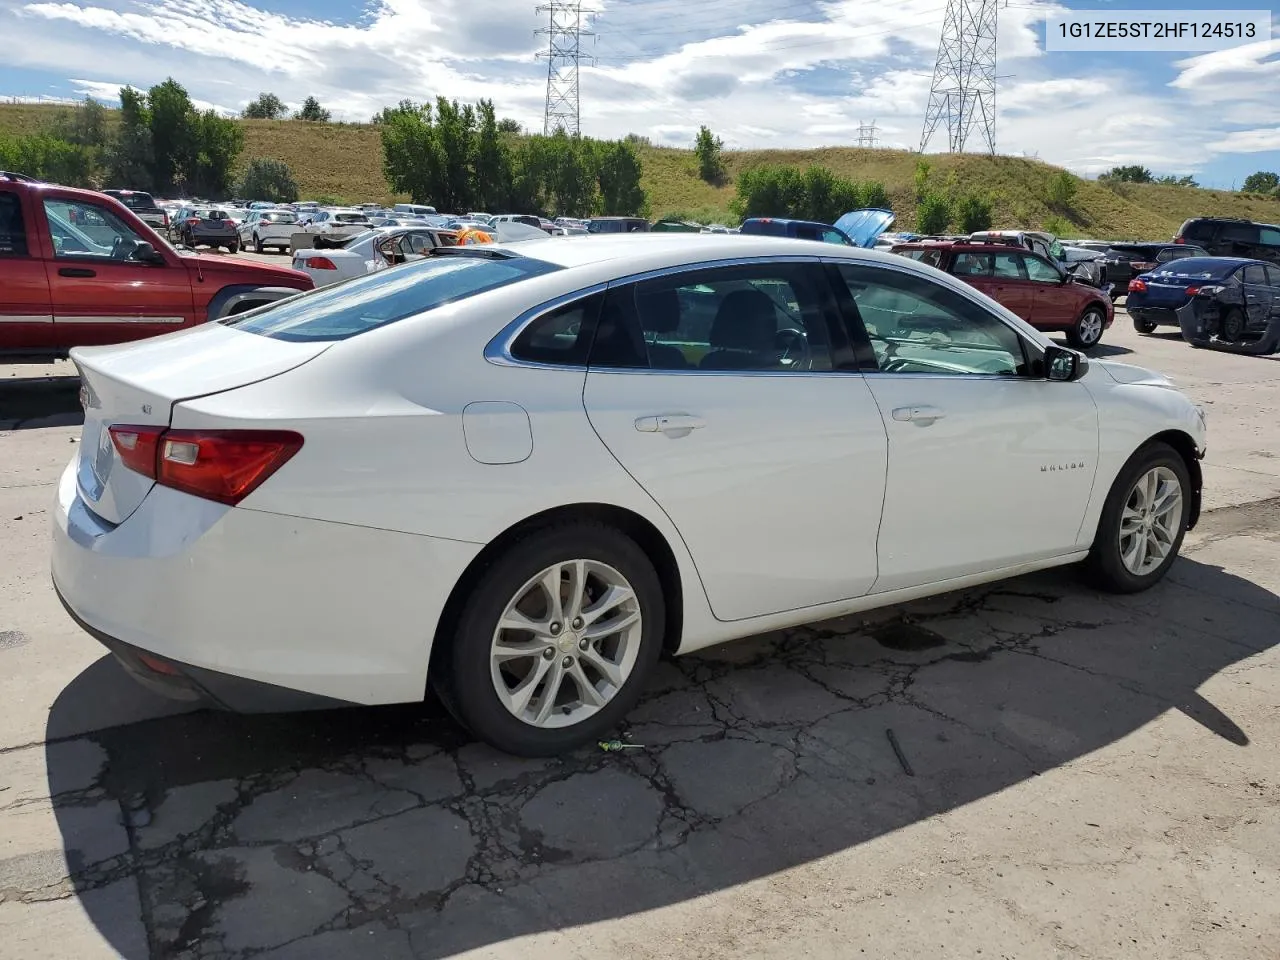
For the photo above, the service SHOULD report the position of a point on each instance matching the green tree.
(507, 125)
(922, 179)
(1173, 180)
(455, 136)
(769, 191)
(573, 182)
(873, 194)
(409, 151)
(1264, 181)
(1134, 173)
(129, 156)
(933, 214)
(85, 125)
(267, 179)
(619, 176)
(1061, 190)
(46, 157)
(216, 143)
(492, 163)
(707, 148)
(267, 106)
(312, 111)
(973, 212)
(173, 137)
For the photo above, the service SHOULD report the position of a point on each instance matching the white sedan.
(368, 252)
(519, 473)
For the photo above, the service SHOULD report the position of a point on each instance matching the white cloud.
(1248, 141)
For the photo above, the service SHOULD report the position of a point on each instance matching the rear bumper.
(252, 607)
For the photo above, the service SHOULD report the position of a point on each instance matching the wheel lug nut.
(555, 629)
(583, 644)
(549, 653)
(567, 663)
(577, 623)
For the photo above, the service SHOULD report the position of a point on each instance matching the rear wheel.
(555, 642)
(1088, 329)
(1231, 327)
(233, 247)
(1144, 326)
(257, 244)
(1143, 521)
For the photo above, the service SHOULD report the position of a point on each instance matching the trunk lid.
(139, 383)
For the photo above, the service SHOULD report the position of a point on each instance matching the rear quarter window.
(375, 300)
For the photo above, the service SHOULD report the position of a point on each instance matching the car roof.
(1232, 262)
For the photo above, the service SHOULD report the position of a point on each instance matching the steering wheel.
(792, 344)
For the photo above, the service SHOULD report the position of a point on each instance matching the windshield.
(350, 217)
(377, 299)
(1197, 268)
(280, 217)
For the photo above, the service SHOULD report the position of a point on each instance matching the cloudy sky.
(761, 73)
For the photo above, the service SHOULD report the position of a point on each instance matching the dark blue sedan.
(1215, 301)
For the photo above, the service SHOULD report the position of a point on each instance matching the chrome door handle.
(672, 424)
(922, 415)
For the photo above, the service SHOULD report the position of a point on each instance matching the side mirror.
(1064, 365)
(144, 252)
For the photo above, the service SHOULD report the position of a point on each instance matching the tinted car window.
(1239, 232)
(1254, 273)
(918, 326)
(1269, 236)
(377, 299)
(561, 336)
(1197, 230)
(134, 200)
(758, 317)
(972, 265)
(13, 232)
(1273, 276)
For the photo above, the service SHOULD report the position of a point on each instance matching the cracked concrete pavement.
(1085, 775)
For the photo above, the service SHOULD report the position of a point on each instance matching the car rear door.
(1010, 285)
(721, 391)
(100, 295)
(990, 465)
(1273, 281)
(1257, 295)
(26, 318)
(1268, 245)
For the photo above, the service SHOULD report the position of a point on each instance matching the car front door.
(974, 268)
(26, 318)
(1011, 287)
(1257, 295)
(99, 293)
(1055, 303)
(719, 389)
(990, 465)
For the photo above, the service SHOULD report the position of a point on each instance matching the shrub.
(933, 214)
(266, 179)
(874, 195)
(707, 149)
(1062, 190)
(974, 213)
(1057, 225)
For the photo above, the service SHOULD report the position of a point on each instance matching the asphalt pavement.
(1028, 770)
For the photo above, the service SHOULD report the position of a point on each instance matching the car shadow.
(1099, 351)
(29, 402)
(388, 832)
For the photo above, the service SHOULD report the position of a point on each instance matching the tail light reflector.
(321, 263)
(221, 465)
(1137, 286)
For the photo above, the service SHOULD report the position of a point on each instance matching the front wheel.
(1088, 329)
(555, 642)
(1143, 521)
(257, 244)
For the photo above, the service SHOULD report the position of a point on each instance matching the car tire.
(1087, 331)
(257, 245)
(1128, 506)
(1231, 326)
(469, 668)
(1144, 326)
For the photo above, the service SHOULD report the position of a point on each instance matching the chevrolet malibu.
(520, 474)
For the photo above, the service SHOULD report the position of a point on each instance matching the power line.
(564, 55)
(867, 134)
(964, 77)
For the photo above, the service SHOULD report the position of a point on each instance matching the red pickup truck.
(78, 268)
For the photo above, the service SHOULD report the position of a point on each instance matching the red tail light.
(137, 447)
(1192, 291)
(221, 465)
(1179, 239)
(321, 263)
(192, 221)
(166, 219)
(1137, 286)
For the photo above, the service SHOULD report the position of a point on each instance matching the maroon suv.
(1036, 289)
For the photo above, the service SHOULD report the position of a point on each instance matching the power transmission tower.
(867, 134)
(564, 53)
(964, 78)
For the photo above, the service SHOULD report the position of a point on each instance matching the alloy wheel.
(566, 643)
(1091, 327)
(1149, 521)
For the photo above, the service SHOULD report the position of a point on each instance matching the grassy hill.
(344, 161)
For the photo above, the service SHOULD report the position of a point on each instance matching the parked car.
(526, 219)
(344, 222)
(1227, 237)
(858, 228)
(1045, 245)
(211, 226)
(80, 268)
(1124, 261)
(265, 228)
(1033, 287)
(359, 464)
(370, 251)
(1212, 300)
(414, 209)
(617, 225)
(143, 206)
(1087, 264)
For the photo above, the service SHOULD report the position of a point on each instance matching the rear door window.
(13, 231)
(1198, 229)
(972, 265)
(1239, 233)
(1269, 236)
(1254, 273)
(377, 299)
